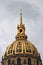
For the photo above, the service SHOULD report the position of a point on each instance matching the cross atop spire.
(21, 17)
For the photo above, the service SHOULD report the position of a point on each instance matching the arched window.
(37, 62)
(9, 61)
(2, 63)
(10, 51)
(29, 61)
(13, 62)
(41, 62)
(33, 52)
(24, 61)
(18, 61)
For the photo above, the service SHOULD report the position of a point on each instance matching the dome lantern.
(21, 29)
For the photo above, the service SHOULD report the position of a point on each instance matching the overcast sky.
(32, 11)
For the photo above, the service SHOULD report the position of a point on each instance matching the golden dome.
(21, 45)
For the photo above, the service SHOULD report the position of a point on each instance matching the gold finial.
(20, 17)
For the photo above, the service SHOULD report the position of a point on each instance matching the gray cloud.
(12, 7)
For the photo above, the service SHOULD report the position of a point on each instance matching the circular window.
(20, 30)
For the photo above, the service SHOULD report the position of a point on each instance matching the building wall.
(14, 60)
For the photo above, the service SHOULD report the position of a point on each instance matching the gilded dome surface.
(21, 45)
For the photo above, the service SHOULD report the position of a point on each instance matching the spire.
(20, 17)
(21, 29)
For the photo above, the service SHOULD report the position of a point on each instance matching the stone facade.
(21, 60)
